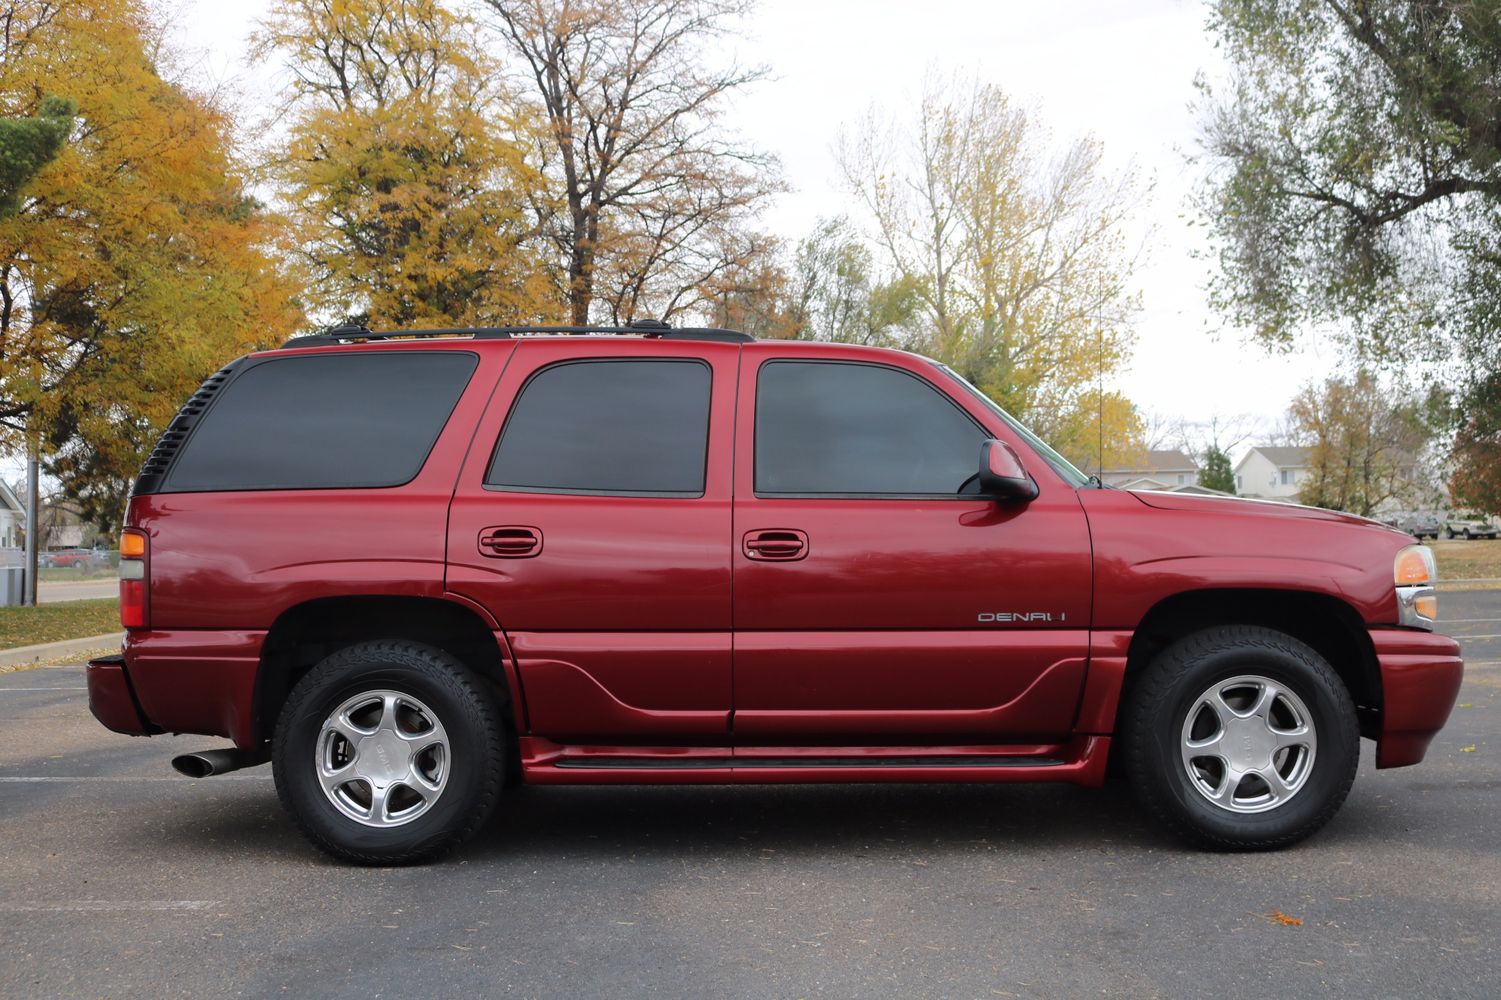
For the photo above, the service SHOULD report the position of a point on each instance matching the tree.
(135, 263)
(655, 199)
(1215, 470)
(29, 144)
(1015, 251)
(837, 295)
(406, 182)
(1476, 457)
(1355, 176)
(1368, 442)
(1097, 431)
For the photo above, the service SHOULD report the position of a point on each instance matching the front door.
(593, 519)
(877, 598)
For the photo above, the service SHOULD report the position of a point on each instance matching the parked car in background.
(1421, 525)
(1470, 524)
(78, 558)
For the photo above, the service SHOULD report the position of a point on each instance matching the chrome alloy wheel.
(1248, 744)
(382, 758)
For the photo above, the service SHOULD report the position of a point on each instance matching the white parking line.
(3, 690)
(103, 905)
(33, 779)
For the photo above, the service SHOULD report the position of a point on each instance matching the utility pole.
(33, 526)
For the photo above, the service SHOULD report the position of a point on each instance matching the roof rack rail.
(649, 328)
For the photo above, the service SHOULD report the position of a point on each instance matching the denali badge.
(1022, 616)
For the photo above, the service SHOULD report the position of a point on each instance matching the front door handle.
(775, 544)
(510, 541)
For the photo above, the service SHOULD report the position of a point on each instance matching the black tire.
(469, 715)
(1152, 727)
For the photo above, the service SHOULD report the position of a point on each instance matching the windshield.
(1061, 465)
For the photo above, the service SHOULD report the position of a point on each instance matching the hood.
(1246, 505)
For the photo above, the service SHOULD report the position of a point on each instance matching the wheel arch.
(305, 633)
(1333, 628)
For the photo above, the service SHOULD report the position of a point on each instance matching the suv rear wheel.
(1241, 737)
(389, 753)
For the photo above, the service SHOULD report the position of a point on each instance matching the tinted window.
(635, 427)
(858, 429)
(345, 420)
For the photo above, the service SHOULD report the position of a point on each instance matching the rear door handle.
(510, 541)
(775, 544)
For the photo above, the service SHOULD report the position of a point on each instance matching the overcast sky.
(1120, 69)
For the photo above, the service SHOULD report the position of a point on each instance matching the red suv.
(413, 569)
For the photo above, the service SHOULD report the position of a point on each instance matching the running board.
(543, 762)
(669, 764)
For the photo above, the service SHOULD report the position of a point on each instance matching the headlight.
(1414, 574)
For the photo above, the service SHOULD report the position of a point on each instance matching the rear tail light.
(133, 578)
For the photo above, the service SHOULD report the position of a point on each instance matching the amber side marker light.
(133, 578)
(1414, 573)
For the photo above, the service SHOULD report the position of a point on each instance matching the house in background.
(1169, 470)
(1272, 473)
(12, 519)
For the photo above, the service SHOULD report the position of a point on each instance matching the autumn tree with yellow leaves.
(404, 170)
(1018, 254)
(134, 263)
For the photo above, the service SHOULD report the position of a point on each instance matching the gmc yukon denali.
(414, 569)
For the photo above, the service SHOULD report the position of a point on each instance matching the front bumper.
(1420, 677)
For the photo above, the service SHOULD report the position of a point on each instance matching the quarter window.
(333, 421)
(859, 430)
(634, 427)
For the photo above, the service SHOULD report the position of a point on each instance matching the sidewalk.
(52, 591)
(65, 651)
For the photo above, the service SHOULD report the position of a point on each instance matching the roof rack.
(648, 328)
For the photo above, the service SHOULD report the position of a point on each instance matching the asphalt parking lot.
(118, 878)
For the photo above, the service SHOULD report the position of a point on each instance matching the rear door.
(875, 599)
(592, 518)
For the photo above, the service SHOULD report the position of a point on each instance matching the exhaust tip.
(207, 762)
(193, 765)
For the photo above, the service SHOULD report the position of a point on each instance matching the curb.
(21, 656)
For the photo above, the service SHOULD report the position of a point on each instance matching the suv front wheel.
(1241, 738)
(389, 753)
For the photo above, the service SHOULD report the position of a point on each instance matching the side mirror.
(1002, 475)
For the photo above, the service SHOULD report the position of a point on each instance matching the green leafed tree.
(1354, 178)
(1215, 471)
(29, 144)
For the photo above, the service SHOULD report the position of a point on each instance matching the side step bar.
(691, 763)
(1079, 761)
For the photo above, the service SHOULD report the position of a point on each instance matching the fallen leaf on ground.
(1468, 749)
(1278, 917)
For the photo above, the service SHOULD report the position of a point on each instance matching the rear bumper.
(185, 681)
(110, 697)
(1420, 677)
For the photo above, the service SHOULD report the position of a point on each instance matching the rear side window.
(324, 422)
(633, 427)
(835, 429)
